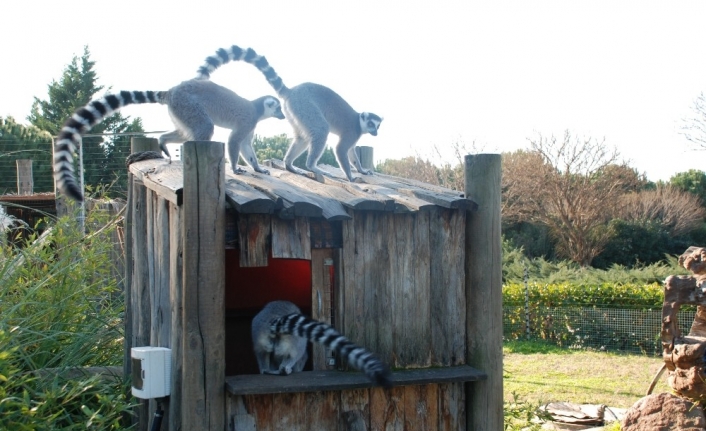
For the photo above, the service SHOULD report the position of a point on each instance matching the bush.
(60, 308)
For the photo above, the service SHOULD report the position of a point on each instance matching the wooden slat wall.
(403, 286)
(409, 408)
(176, 267)
(447, 241)
(139, 295)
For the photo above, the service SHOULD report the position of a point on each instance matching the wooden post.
(203, 340)
(137, 286)
(365, 154)
(484, 323)
(25, 182)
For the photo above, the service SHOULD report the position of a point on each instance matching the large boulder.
(664, 412)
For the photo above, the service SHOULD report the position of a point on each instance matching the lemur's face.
(370, 123)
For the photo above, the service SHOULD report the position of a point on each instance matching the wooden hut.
(388, 261)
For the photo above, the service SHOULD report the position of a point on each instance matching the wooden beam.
(313, 381)
(484, 321)
(203, 341)
(25, 181)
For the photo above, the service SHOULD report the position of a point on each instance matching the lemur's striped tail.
(81, 122)
(322, 333)
(248, 55)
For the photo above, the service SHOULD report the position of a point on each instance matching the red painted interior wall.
(247, 291)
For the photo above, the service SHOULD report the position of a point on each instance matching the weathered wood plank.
(246, 199)
(161, 301)
(296, 201)
(419, 315)
(387, 409)
(322, 284)
(237, 416)
(353, 306)
(311, 381)
(161, 321)
(162, 176)
(484, 300)
(290, 411)
(350, 197)
(386, 278)
(204, 286)
(261, 407)
(452, 406)
(291, 238)
(321, 410)
(447, 287)
(253, 231)
(403, 203)
(352, 403)
(127, 286)
(410, 295)
(176, 268)
(421, 408)
(140, 296)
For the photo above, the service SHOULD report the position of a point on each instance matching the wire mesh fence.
(605, 329)
(104, 170)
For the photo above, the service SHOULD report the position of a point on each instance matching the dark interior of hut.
(247, 291)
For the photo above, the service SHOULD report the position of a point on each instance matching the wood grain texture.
(176, 268)
(484, 292)
(204, 286)
(291, 238)
(447, 287)
(325, 380)
(253, 233)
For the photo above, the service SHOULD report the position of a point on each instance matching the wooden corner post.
(484, 322)
(203, 340)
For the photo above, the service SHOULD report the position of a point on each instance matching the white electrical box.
(151, 372)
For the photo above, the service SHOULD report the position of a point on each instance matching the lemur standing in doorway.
(313, 111)
(195, 106)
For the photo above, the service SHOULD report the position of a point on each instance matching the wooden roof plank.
(246, 199)
(162, 176)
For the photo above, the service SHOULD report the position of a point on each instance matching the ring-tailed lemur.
(280, 333)
(313, 111)
(195, 106)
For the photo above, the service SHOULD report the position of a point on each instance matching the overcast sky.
(487, 75)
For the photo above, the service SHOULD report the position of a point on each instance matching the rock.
(664, 412)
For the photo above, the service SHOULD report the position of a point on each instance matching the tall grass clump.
(61, 312)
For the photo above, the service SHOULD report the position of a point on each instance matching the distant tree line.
(572, 198)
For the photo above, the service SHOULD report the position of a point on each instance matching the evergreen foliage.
(19, 142)
(275, 147)
(76, 87)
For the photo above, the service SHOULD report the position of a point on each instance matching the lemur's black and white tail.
(322, 333)
(248, 55)
(81, 122)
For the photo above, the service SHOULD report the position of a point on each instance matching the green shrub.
(60, 308)
(609, 295)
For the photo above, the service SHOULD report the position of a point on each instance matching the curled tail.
(248, 55)
(81, 122)
(321, 333)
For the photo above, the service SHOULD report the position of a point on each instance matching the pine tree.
(76, 87)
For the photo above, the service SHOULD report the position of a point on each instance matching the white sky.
(492, 73)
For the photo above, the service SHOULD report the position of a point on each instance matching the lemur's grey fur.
(313, 111)
(195, 106)
(280, 333)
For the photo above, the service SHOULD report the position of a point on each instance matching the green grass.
(541, 373)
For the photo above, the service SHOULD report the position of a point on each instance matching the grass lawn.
(542, 373)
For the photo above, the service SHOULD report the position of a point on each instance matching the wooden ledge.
(315, 381)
